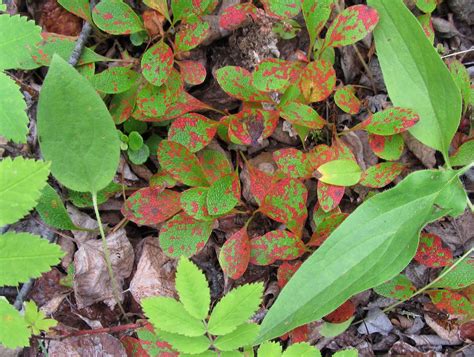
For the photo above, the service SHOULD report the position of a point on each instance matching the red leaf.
(382, 174)
(234, 16)
(261, 183)
(341, 314)
(432, 252)
(325, 228)
(234, 256)
(329, 196)
(286, 271)
(275, 245)
(193, 72)
(250, 126)
(452, 303)
(275, 74)
(237, 82)
(157, 63)
(292, 163)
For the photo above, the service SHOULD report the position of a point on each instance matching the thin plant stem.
(108, 262)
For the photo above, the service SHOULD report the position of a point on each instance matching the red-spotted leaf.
(79, 8)
(427, 6)
(237, 82)
(382, 174)
(204, 7)
(351, 25)
(275, 74)
(316, 14)
(390, 121)
(186, 9)
(329, 196)
(191, 34)
(461, 276)
(221, 197)
(250, 126)
(116, 17)
(340, 172)
(319, 215)
(155, 101)
(341, 150)
(151, 205)
(157, 63)
(193, 72)
(234, 16)
(162, 179)
(452, 303)
(427, 25)
(346, 100)
(184, 103)
(318, 80)
(327, 225)
(281, 9)
(182, 164)
(194, 131)
(183, 235)
(301, 114)
(114, 80)
(153, 344)
(292, 163)
(275, 245)
(432, 252)
(122, 105)
(341, 314)
(286, 203)
(319, 155)
(286, 271)
(133, 347)
(194, 203)
(234, 256)
(159, 5)
(214, 164)
(399, 288)
(387, 147)
(261, 183)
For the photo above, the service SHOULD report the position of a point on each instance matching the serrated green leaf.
(36, 319)
(221, 197)
(21, 182)
(51, 210)
(193, 289)
(269, 349)
(415, 75)
(116, 17)
(19, 37)
(350, 352)
(400, 288)
(459, 277)
(340, 172)
(169, 315)
(114, 80)
(185, 344)
(464, 155)
(301, 349)
(157, 63)
(235, 308)
(24, 256)
(13, 117)
(80, 162)
(79, 8)
(243, 336)
(14, 332)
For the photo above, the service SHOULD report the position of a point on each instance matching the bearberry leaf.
(318, 80)
(116, 18)
(293, 163)
(387, 147)
(79, 8)
(235, 308)
(14, 332)
(194, 203)
(275, 245)
(251, 125)
(237, 82)
(51, 210)
(390, 121)
(214, 164)
(185, 344)
(382, 174)
(234, 256)
(286, 271)
(183, 235)
(340, 172)
(316, 14)
(427, 25)
(346, 100)
(282, 9)
(234, 16)
(194, 131)
(329, 196)
(452, 303)
(193, 289)
(169, 315)
(342, 313)
(464, 155)
(243, 336)
(181, 163)
(286, 203)
(191, 34)
(459, 277)
(222, 197)
(157, 63)
(274, 75)
(351, 25)
(122, 104)
(151, 205)
(114, 80)
(13, 117)
(301, 349)
(155, 101)
(193, 72)
(400, 288)
(24, 256)
(432, 252)
(324, 229)
(301, 114)
(154, 344)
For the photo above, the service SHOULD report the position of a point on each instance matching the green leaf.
(185, 344)
(316, 14)
(359, 256)
(415, 75)
(194, 203)
(463, 81)
(235, 308)
(116, 17)
(427, 6)
(13, 117)
(14, 332)
(84, 199)
(169, 315)
(114, 80)
(36, 319)
(24, 256)
(221, 197)
(459, 277)
(464, 155)
(21, 182)
(139, 156)
(350, 352)
(19, 37)
(269, 349)
(157, 63)
(193, 289)
(79, 135)
(159, 5)
(243, 336)
(274, 74)
(346, 99)
(51, 210)
(79, 8)
(301, 349)
(340, 172)
(400, 288)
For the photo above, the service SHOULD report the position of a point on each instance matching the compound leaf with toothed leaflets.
(21, 183)
(357, 257)
(275, 245)
(301, 349)
(183, 235)
(79, 8)
(193, 289)
(235, 308)
(387, 147)
(114, 80)
(301, 114)
(151, 205)
(269, 349)
(24, 256)
(194, 131)
(432, 252)
(85, 163)
(237, 82)
(459, 277)
(351, 25)
(282, 9)
(193, 72)
(181, 163)
(316, 14)
(157, 63)
(116, 18)
(13, 117)
(400, 288)
(346, 100)
(340, 172)
(14, 332)
(415, 75)
(243, 336)
(317, 81)
(234, 256)
(52, 211)
(390, 121)
(381, 175)
(191, 34)
(464, 155)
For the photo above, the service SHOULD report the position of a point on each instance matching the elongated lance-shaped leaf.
(432, 252)
(387, 147)
(402, 50)
(400, 288)
(116, 17)
(234, 256)
(157, 63)
(194, 131)
(359, 256)
(237, 82)
(390, 121)
(316, 14)
(85, 163)
(275, 245)
(346, 100)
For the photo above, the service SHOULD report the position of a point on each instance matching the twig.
(113, 329)
(458, 53)
(81, 41)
